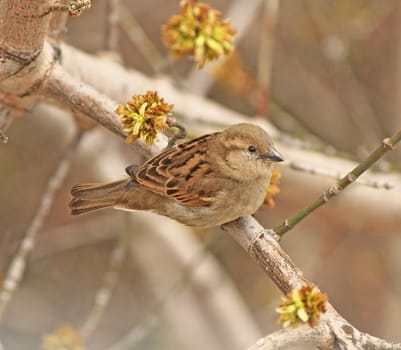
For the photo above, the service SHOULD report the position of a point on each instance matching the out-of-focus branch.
(154, 317)
(17, 266)
(331, 174)
(104, 294)
(139, 38)
(267, 36)
(111, 27)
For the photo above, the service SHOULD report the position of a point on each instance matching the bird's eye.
(252, 149)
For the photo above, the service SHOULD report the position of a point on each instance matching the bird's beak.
(273, 155)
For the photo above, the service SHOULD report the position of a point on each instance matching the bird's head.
(245, 152)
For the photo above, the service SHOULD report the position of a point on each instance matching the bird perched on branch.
(208, 181)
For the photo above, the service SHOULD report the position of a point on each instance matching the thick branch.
(22, 29)
(318, 336)
(68, 91)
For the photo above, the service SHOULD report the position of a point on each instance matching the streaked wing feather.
(178, 172)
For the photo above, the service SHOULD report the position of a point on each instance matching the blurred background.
(326, 73)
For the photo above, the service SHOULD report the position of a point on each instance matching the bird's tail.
(94, 196)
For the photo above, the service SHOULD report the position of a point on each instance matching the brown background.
(349, 102)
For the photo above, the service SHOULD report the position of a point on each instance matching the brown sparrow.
(208, 181)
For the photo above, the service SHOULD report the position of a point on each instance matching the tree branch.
(267, 252)
(387, 145)
(22, 31)
(318, 336)
(68, 91)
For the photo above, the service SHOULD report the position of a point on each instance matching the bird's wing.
(180, 173)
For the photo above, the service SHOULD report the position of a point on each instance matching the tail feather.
(82, 206)
(94, 196)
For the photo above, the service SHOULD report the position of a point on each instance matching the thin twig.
(140, 39)
(18, 264)
(103, 295)
(3, 137)
(5, 121)
(387, 145)
(181, 133)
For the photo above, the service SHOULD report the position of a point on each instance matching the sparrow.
(205, 182)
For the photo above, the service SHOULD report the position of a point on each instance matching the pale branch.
(388, 144)
(68, 91)
(286, 338)
(322, 337)
(17, 266)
